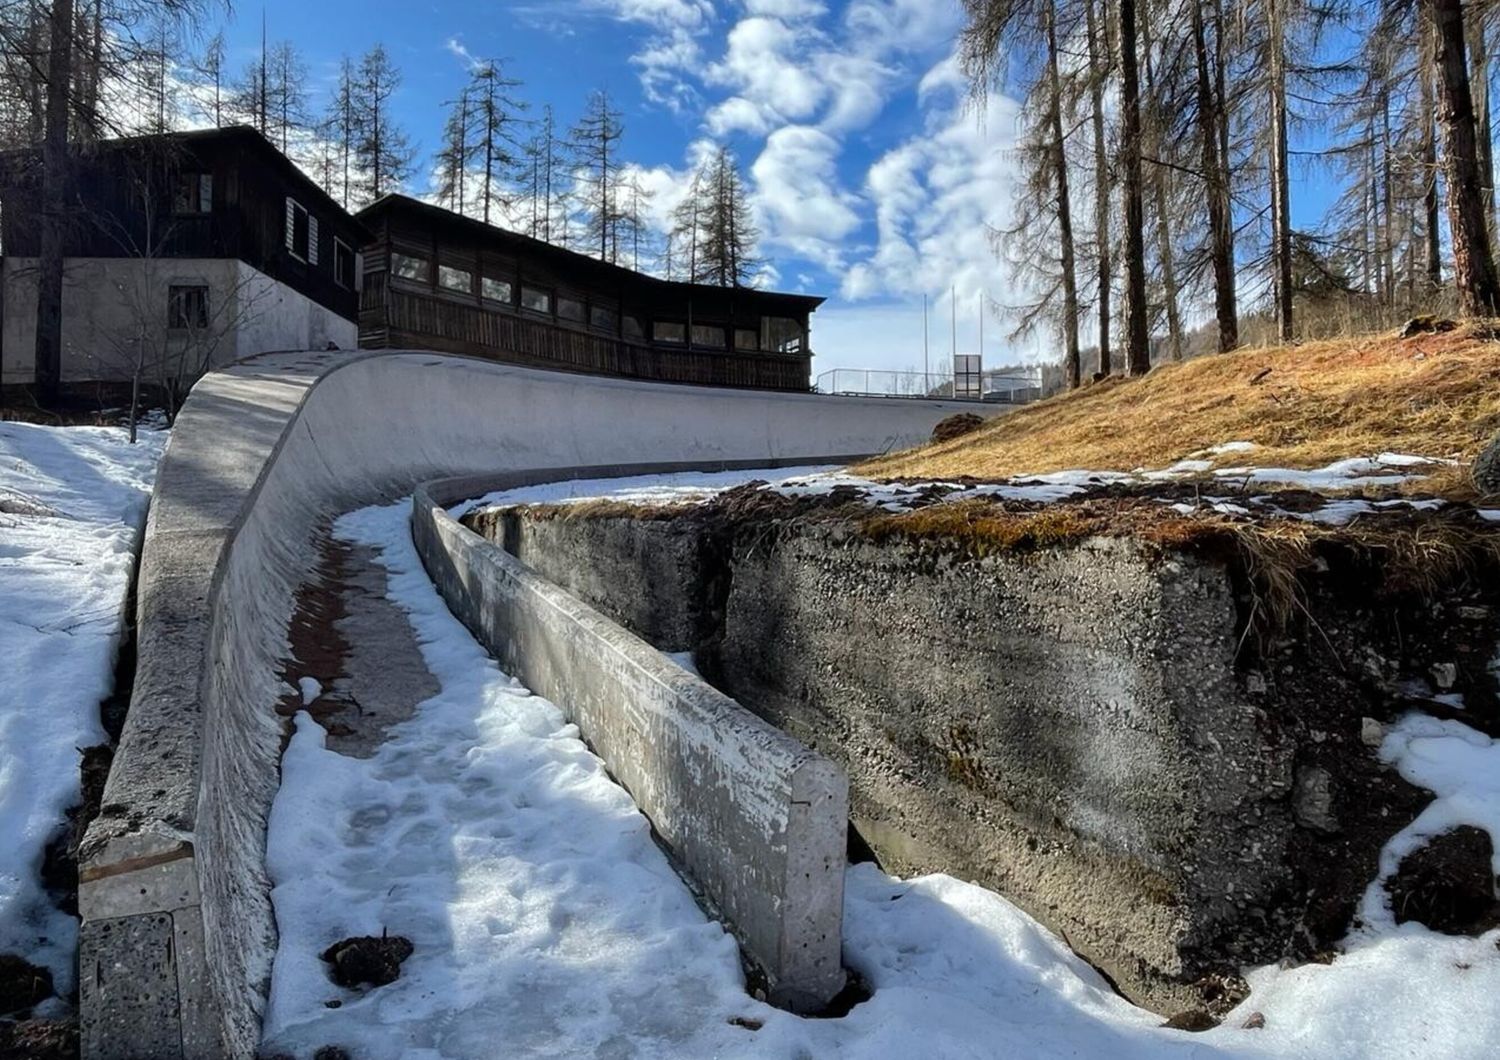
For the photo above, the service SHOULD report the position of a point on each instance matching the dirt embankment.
(1302, 406)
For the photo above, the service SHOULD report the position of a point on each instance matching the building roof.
(245, 136)
(586, 268)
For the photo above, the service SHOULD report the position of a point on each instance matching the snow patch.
(311, 688)
(547, 923)
(67, 556)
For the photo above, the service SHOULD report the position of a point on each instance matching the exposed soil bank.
(1110, 731)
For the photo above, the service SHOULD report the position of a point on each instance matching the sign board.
(967, 376)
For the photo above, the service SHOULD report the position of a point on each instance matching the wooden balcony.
(394, 317)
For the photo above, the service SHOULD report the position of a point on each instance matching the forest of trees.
(74, 72)
(1157, 152)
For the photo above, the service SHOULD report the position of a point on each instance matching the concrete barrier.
(178, 935)
(756, 818)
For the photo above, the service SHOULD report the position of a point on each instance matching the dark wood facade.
(438, 281)
(212, 193)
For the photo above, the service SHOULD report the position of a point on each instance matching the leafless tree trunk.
(56, 173)
(1161, 178)
(1479, 63)
(1388, 207)
(1220, 230)
(1098, 49)
(1473, 266)
(1064, 207)
(1428, 77)
(1137, 326)
(1281, 210)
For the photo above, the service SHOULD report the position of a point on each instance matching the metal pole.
(953, 313)
(981, 332)
(926, 364)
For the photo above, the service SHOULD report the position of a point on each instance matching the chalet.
(183, 252)
(436, 280)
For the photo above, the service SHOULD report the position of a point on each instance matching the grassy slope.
(1433, 395)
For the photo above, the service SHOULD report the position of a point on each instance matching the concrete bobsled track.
(178, 934)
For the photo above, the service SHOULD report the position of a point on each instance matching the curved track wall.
(178, 934)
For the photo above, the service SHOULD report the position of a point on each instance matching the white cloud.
(903, 25)
(461, 53)
(660, 14)
(673, 47)
(786, 9)
(737, 114)
(937, 196)
(800, 202)
(763, 65)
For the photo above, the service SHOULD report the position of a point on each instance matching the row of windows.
(539, 300)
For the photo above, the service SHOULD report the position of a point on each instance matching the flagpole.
(926, 359)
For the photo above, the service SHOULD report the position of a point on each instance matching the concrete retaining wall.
(756, 818)
(1083, 728)
(178, 935)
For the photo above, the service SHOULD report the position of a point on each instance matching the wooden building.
(436, 280)
(182, 252)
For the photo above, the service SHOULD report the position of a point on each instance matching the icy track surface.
(72, 503)
(547, 924)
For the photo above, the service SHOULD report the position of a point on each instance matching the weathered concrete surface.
(1088, 729)
(755, 817)
(649, 576)
(263, 454)
(1065, 727)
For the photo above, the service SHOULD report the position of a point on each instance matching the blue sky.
(874, 182)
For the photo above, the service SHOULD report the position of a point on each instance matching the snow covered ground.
(72, 504)
(547, 923)
(1240, 490)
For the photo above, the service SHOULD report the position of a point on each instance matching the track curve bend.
(178, 934)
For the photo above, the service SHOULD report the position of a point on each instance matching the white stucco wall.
(113, 308)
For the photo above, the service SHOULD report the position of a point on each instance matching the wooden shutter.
(312, 239)
(291, 224)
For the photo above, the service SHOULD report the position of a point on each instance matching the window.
(343, 264)
(632, 328)
(708, 335)
(496, 290)
(456, 279)
(194, 193)
(781, 333)
(570, 309)
(409, 267)
(603, 318)
(187, 306)
(536, 299)
(666, 332)
(301, 232)
(746, 339)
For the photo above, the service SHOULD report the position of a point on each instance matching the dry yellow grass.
(1303, 406)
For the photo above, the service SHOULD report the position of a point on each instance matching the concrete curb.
(178, 936)
(755, 817)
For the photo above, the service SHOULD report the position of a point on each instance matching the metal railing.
(878, 382)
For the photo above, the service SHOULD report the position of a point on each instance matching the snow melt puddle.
(72, 503)
(547, 923)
